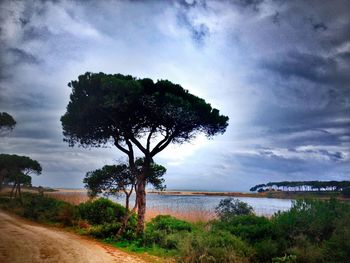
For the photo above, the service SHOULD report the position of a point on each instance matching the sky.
(279, 69)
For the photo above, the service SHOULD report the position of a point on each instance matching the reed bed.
(190, 214)
(74, 198)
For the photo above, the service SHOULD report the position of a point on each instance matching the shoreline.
(268, 194)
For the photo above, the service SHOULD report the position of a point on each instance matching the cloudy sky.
(279, 69)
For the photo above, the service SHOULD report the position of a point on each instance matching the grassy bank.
(311, 231)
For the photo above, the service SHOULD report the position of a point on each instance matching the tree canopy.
(114, 179)
(123, 108)
(6, 122)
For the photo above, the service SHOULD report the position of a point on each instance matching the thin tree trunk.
(13, 189)
(19, 193)
(16, 190)
(141, 204)
(127, 216)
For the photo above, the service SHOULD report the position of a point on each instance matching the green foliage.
(137, 106)
(15, 169)
(6, 122)
(111, 179)
(163, 230)
(314, 219)
(101, 211)
(255, 230)
(230, 207)
(346, 192)
(249, 227)
(105, 230)
(337, 248)
(202, 246)
(42, 208)
(265, 249)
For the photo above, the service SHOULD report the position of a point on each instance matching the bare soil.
(23, 241)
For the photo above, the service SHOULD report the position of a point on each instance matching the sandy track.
(23, 241)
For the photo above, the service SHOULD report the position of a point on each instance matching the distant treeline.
(302, 186)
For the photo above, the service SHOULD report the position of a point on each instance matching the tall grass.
(189, 214)
(74, 198)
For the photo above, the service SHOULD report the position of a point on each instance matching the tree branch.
(149, 139)
(163, 143)
(120, 147)
(138, 144)
(162, 147)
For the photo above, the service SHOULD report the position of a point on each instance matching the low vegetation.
(311, 231)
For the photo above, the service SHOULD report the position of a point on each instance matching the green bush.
(265, 250)
(42, 208)
(337, 248)
(106, 230)
(163, 229)
(101, 211)
(346, 192)
(202, 246)
(314, 219)
(230, 207)
(251, 228)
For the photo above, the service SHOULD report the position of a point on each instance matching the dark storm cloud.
(315, 68)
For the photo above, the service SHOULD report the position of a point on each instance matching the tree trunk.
(1, 181)
(16, 191)
(127, 216)
(141, 204)
(19, 193)
(13, 189)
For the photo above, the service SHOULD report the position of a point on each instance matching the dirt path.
(23, 241)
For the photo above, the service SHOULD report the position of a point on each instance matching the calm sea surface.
(262, 206)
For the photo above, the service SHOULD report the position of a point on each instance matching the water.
(261, 206)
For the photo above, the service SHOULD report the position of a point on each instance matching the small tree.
(230, 207)
(114, 179)
(7, 123)
(16, 170)
(129, 113)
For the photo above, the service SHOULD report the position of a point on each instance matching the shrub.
(202, 246)
(346, 192)
(337, 248)
(230, 207)
(104, 230)
(162, 231)
(67, 214)
(42, 208)
(251, 228)
(314, 219)
(101, 211)
(265, 250)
